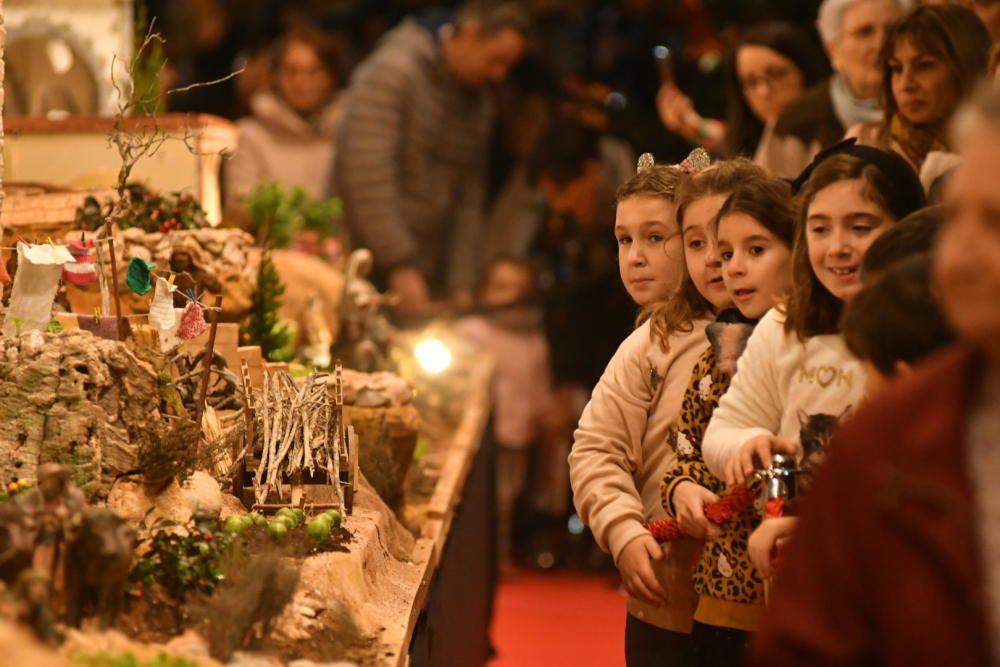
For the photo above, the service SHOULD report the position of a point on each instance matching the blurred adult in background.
(577, 171)
(988, 12)
(773, 64)
(853, 32)
(931, 60)
(411, 158)
(993, 69)
(288, 139)
(516, 206)
(588, 313)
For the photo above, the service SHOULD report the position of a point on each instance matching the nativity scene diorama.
(207, 447)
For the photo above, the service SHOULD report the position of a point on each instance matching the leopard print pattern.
(705, 388)
(724, 571)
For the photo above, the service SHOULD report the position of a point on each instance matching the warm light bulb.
(433, 356)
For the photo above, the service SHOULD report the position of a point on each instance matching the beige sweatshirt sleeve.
(752, 405)
(607, 448)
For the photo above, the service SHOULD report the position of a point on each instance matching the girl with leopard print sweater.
(754, 230)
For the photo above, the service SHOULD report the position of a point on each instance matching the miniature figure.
(34, 611)
(53, 512)
(101, 556)
(17, 542)
(365, 332)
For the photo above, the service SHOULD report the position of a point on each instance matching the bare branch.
(204, 84)
(144, 139)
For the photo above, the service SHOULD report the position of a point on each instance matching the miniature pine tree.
(265, 328)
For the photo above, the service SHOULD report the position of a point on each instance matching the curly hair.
(678, 313)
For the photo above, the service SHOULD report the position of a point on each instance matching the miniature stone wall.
(76, 399)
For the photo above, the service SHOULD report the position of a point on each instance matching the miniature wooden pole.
(207, 361)
(248, 409)
(119, 329)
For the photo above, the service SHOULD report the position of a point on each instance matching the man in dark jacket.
(896, 560)
(411, 151)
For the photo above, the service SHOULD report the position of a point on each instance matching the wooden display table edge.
(447, 494)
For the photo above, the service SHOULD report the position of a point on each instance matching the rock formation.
(76, 399)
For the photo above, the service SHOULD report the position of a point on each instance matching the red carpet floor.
(559, 618)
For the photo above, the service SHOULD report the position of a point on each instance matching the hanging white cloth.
(168, 337)
(35, 284)
(161, 310)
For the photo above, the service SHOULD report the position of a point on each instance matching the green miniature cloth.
(138, 275)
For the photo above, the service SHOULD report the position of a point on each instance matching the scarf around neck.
(850, 110)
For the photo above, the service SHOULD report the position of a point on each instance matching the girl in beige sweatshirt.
(620, 450)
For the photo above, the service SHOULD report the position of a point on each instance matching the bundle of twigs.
(292, 431)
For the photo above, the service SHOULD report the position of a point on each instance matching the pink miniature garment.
(82, 270)
(4, 274)
(192, 322)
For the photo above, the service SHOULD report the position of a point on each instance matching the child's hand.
(757, 452)
(763, 543)
(689, 506)
(635, 566)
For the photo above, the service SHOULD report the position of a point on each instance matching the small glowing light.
(575, 525)
(432, 355)
(60, 55)
(661, 52)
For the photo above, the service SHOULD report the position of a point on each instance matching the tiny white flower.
(684, 446)
(705, 387)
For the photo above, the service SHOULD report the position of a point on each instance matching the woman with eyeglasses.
(852, 32)
(771, 66)
(288, 139)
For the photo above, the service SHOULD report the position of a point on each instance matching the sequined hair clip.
(696, 160)
(646, 162)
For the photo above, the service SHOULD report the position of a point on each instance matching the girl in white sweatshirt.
(620, 450)
(796, 375)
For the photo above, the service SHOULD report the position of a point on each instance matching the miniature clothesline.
(133, 316)
(153, 273)
(101, 239)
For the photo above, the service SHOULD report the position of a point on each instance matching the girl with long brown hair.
(796, 370)
(931, 60)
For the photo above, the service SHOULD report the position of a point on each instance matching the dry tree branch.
(144, 140)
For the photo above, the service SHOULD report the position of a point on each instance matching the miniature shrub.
(183, 562)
